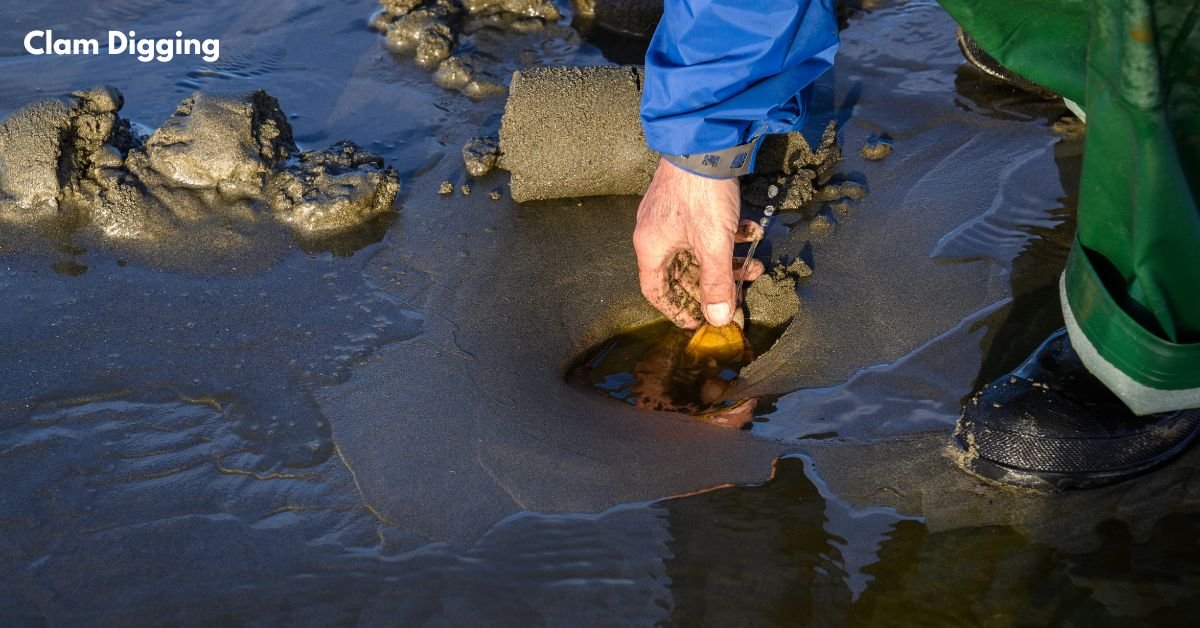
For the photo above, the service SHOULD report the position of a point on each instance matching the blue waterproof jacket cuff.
(727, 163)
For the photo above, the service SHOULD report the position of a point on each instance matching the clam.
(723, 344)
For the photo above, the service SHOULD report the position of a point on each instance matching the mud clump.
(221, 162)
(791, 154)
(460, 73)
(231, 144)
(480, 154)
(575, 132)
(333, 190)
(876, 148)
(790, 164)
(429, 32)
(55, 143)
(852, 190)
(684, 271)
(772, 300)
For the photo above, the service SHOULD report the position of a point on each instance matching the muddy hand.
(686, 228)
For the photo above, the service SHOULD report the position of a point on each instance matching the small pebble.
(495, 194)
(465, 189)
(876, 148)
(447, 188)
(479, 155)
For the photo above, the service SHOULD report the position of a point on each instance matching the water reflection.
(117, 495)
(969, 575)
(784, 553)
(789, 552)
(650, 367)
(1035, 311)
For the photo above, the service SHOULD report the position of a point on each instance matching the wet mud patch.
(253, 348)
(119, 503)
(621, 29)
(657, 367)
(220, 180)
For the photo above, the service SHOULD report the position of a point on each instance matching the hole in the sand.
(651, 367)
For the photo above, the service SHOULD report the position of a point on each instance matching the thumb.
(716, 278)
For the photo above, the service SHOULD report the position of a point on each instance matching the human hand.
(686, 228)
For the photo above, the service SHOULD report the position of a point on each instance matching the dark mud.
(636, 18)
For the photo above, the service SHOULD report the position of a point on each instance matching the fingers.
(716, 276)
(658, 277)
(754, 269)
(736, 417)
(653, 282)
(673, 286)
(748, 231)
(664, 294)
(687, 226)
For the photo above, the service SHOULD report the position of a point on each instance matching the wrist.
(727, 163)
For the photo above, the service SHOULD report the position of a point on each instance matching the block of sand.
(575, 132)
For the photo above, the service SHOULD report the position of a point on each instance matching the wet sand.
(468, 422)
(217, 168)
(382, 430)
(479, 405)
(571, 132)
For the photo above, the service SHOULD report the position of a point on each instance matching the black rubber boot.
(987, 64)
(1051, 425)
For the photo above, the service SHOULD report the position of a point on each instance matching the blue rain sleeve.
(720, 73)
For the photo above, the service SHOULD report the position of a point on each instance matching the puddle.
(649, 367)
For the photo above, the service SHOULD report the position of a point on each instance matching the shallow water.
(649, 367)
(170, 436)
